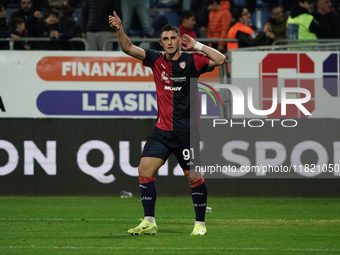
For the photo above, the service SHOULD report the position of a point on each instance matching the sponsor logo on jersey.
(178, 79)
(165, 77)
(172, 88)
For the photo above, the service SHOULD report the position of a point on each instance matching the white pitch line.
(169, 248)
(211, 220)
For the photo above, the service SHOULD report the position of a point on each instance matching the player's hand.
(187, 42)
(115, 21)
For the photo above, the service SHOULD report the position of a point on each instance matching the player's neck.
(174, 56)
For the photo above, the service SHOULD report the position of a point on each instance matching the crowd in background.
(60, 20)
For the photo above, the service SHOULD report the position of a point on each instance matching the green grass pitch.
(98, 225)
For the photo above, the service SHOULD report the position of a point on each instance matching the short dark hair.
(52, 12)
(187, 15)
(170, 27)
(15, 21)
(237, 13)
(273, 6)
(67, 10)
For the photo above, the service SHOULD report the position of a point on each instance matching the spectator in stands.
(94, 25)
(201, 11)
(25, 10)
(17, 31)
(219, 21)
(142, 8)
(188, 21)
(301, 24)
(187, 24)
(69, 27)
(3, 27)
(277, 22)
(50, 27)
(3, 21)
(29, 15)
(241, 29)
(327, 18)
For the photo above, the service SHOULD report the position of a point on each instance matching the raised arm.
(216, 57)
(124, 41)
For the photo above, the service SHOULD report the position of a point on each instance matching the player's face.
(170, 41)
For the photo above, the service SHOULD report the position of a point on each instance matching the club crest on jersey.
(182, 64)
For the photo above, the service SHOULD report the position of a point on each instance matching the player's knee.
(141, 171)
(189, 177)
(145, 171)
(192, 176)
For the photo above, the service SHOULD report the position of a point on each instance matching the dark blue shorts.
(183, 144)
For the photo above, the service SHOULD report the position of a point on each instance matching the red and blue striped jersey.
(177, 97)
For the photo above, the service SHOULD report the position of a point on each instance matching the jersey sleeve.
(201, 63)
(150, 57)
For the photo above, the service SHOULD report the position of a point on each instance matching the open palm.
(187, 42)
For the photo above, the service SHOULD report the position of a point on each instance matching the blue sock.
(148, 194)
(199, 198)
